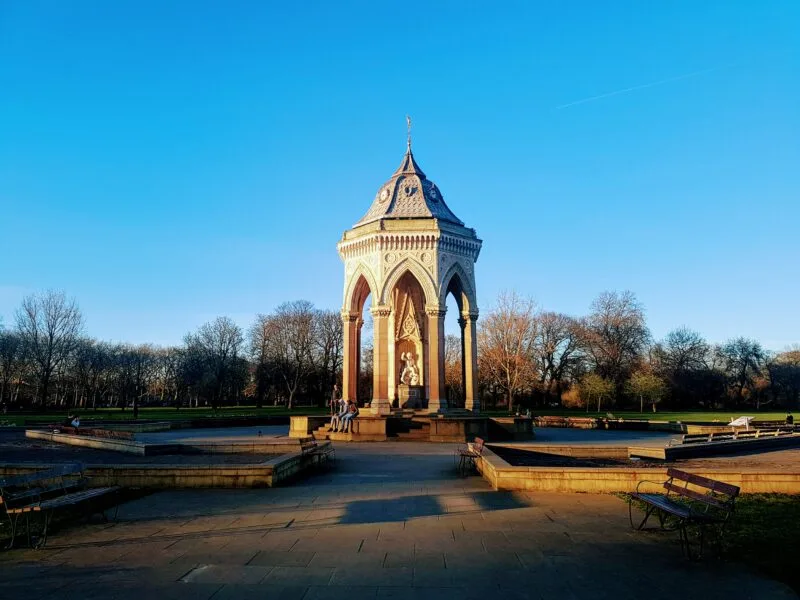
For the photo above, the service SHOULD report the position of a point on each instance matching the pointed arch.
(409, 265)
(457, 282)
(360, 285)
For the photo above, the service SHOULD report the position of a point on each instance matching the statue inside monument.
(409, 375)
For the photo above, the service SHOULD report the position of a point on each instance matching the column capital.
(468, 317)
(436, 311)
(349, 317)
(380, 312)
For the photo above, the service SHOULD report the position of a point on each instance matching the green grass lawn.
(765, 534)
(169, 414)
(685, 416)
(154, 414)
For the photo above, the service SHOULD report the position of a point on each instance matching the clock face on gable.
(384, 195)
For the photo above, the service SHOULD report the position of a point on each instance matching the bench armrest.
(649, 481)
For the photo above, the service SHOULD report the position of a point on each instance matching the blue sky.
(169, 162)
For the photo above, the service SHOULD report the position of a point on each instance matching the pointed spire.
(409, 166)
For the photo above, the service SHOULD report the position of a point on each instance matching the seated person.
(789, 419)
(352, 413)
(336, 419)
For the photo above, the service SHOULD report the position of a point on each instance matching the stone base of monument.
(412, 425)
(411, 396)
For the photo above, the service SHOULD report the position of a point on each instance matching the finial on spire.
(408, 124)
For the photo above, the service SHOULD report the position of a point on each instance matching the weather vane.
(408, 124)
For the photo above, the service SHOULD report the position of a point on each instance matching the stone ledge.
(176, 476)
(226, 446)
(503, 476)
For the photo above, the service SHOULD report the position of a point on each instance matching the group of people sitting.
(343, 415)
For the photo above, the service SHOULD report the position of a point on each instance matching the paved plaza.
(390, 520)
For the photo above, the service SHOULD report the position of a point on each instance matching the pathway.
(392, 520)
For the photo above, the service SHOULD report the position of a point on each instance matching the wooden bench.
(467, 456)
(722, 436)
(690, 500)
(43, 493)
(325, 453)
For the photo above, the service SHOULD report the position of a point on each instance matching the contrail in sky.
(636, 87)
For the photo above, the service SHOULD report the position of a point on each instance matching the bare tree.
(260, 335)
(453, 370)
(11, 362)
(50, 326)
(784, 375)
(558, 350)
(506, 344)
(328, 348)
(684, 350)
(743, 360)
(616, 335)
(291, 344)
(218, 344)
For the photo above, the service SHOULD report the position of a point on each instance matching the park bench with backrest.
(739, 434)
(468, 455)
(323, 453)
(34, 498)
(690, 500)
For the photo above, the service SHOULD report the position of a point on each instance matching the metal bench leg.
(686, 545)
(12, 521)
(648, 510)
(42, 540)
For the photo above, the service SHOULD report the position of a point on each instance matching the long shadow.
(383, 510)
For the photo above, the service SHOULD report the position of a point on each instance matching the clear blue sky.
(169, 162)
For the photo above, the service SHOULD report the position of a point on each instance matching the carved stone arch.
(420, 274)
(355, 293)
(465, 284)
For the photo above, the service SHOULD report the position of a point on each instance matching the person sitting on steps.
(336, 419)
(347, 420)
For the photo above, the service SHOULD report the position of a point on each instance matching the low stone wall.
(511, 428)
(176, 476)
(226, 446)
(115, 445)
(503, 476)
(576, 451)
(301, 426)
(363, 429)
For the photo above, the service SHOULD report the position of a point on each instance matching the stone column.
(472, 400)
(352, 350)
(462, 323)
(381, 405)
(437, 400)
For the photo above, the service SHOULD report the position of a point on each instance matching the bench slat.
(699, 480)
(697, 496)
(44, 475)
(662, 502)
(75, 498)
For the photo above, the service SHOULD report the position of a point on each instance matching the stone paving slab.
(417, 531)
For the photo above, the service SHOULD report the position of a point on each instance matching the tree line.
(291, 355)
(527, 357)
(531, 357)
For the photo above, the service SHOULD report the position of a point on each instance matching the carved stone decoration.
(409, 374)
(408, 252)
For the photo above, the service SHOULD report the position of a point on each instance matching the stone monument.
(407, 253)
